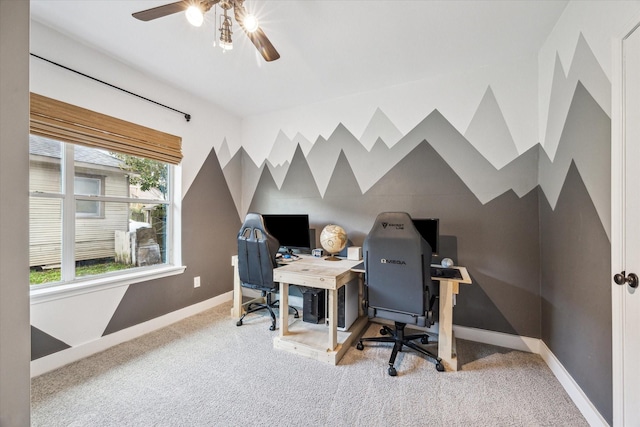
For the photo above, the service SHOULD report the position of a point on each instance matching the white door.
(626, 236)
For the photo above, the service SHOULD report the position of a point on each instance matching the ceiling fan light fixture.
(225, 33)
(195, 11)
(250, 23)
(194, 15)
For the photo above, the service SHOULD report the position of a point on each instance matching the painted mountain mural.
(489, 217)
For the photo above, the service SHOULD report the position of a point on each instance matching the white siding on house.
(94, 235)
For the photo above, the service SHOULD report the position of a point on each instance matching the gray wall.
(576, 263)
(14, 233)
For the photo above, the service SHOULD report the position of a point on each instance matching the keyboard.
(446, 273)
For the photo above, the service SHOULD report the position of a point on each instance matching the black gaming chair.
(257, 251)
(398, 283)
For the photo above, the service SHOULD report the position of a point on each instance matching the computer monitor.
(429, 229)
(291, 230)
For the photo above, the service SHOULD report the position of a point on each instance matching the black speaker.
(313, 305)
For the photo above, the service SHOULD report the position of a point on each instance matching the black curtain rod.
(186, 115)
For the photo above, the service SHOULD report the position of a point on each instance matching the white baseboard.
(537, 346)
(64, 357)
(583, 403)
(516, 342)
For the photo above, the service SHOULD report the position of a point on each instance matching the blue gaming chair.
(398, 283)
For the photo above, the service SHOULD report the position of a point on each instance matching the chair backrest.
(257, 251)
(397, 269)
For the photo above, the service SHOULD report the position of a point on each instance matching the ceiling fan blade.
(258, 37)
(264, 46)
(160, 11)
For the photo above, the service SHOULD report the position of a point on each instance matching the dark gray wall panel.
(43, 344)
(210, 224)
(575, 253)
(576, 290)
(497, 241)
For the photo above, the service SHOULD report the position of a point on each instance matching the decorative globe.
(447, 262)
(333, 239)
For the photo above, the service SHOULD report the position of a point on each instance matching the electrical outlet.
(196, 282)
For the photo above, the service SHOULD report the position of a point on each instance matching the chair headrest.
(388, 224)
(253, 220)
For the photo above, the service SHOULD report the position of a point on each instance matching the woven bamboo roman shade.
(65, 122)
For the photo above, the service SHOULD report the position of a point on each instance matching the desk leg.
(236, 310)
(284, 309)
(445, 333)
(333, 316)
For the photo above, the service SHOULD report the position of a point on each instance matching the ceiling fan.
(195, 10)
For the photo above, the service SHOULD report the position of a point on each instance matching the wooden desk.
(329, 345)
(449, 288)
(320, 342)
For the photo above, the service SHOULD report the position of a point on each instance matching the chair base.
(399, 340)
(269, 305)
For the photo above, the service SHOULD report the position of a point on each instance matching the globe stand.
(332, 257)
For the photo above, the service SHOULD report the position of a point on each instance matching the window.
(89, 186)
(101, 208)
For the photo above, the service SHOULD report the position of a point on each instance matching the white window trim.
(101, 283)
(86, 285)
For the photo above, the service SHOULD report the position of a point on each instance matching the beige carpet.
(206, 371)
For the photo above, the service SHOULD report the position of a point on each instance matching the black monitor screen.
(428, 228)
(291, 230)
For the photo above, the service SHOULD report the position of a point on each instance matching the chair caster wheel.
(383, 331)
(239, 323)
(424, 340)
(359, 346)
(392, 371)
(439, 367)
(272, 327)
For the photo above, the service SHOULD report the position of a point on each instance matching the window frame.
(69, 284)
(99, 214)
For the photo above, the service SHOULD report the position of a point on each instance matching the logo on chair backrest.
(392, 261)
(397, 226)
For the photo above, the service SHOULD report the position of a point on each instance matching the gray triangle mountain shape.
(278, 172)
(224, 155)
(267, 195)
(585, 68)
(343, 182)
(586, 140)
(421, 172)
(323, 156)
(299, 181)
(43, 344)
(489, 134)
(233, 171)
(380, 127)
(298, 184)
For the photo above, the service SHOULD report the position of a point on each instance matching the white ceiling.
(328, 48)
